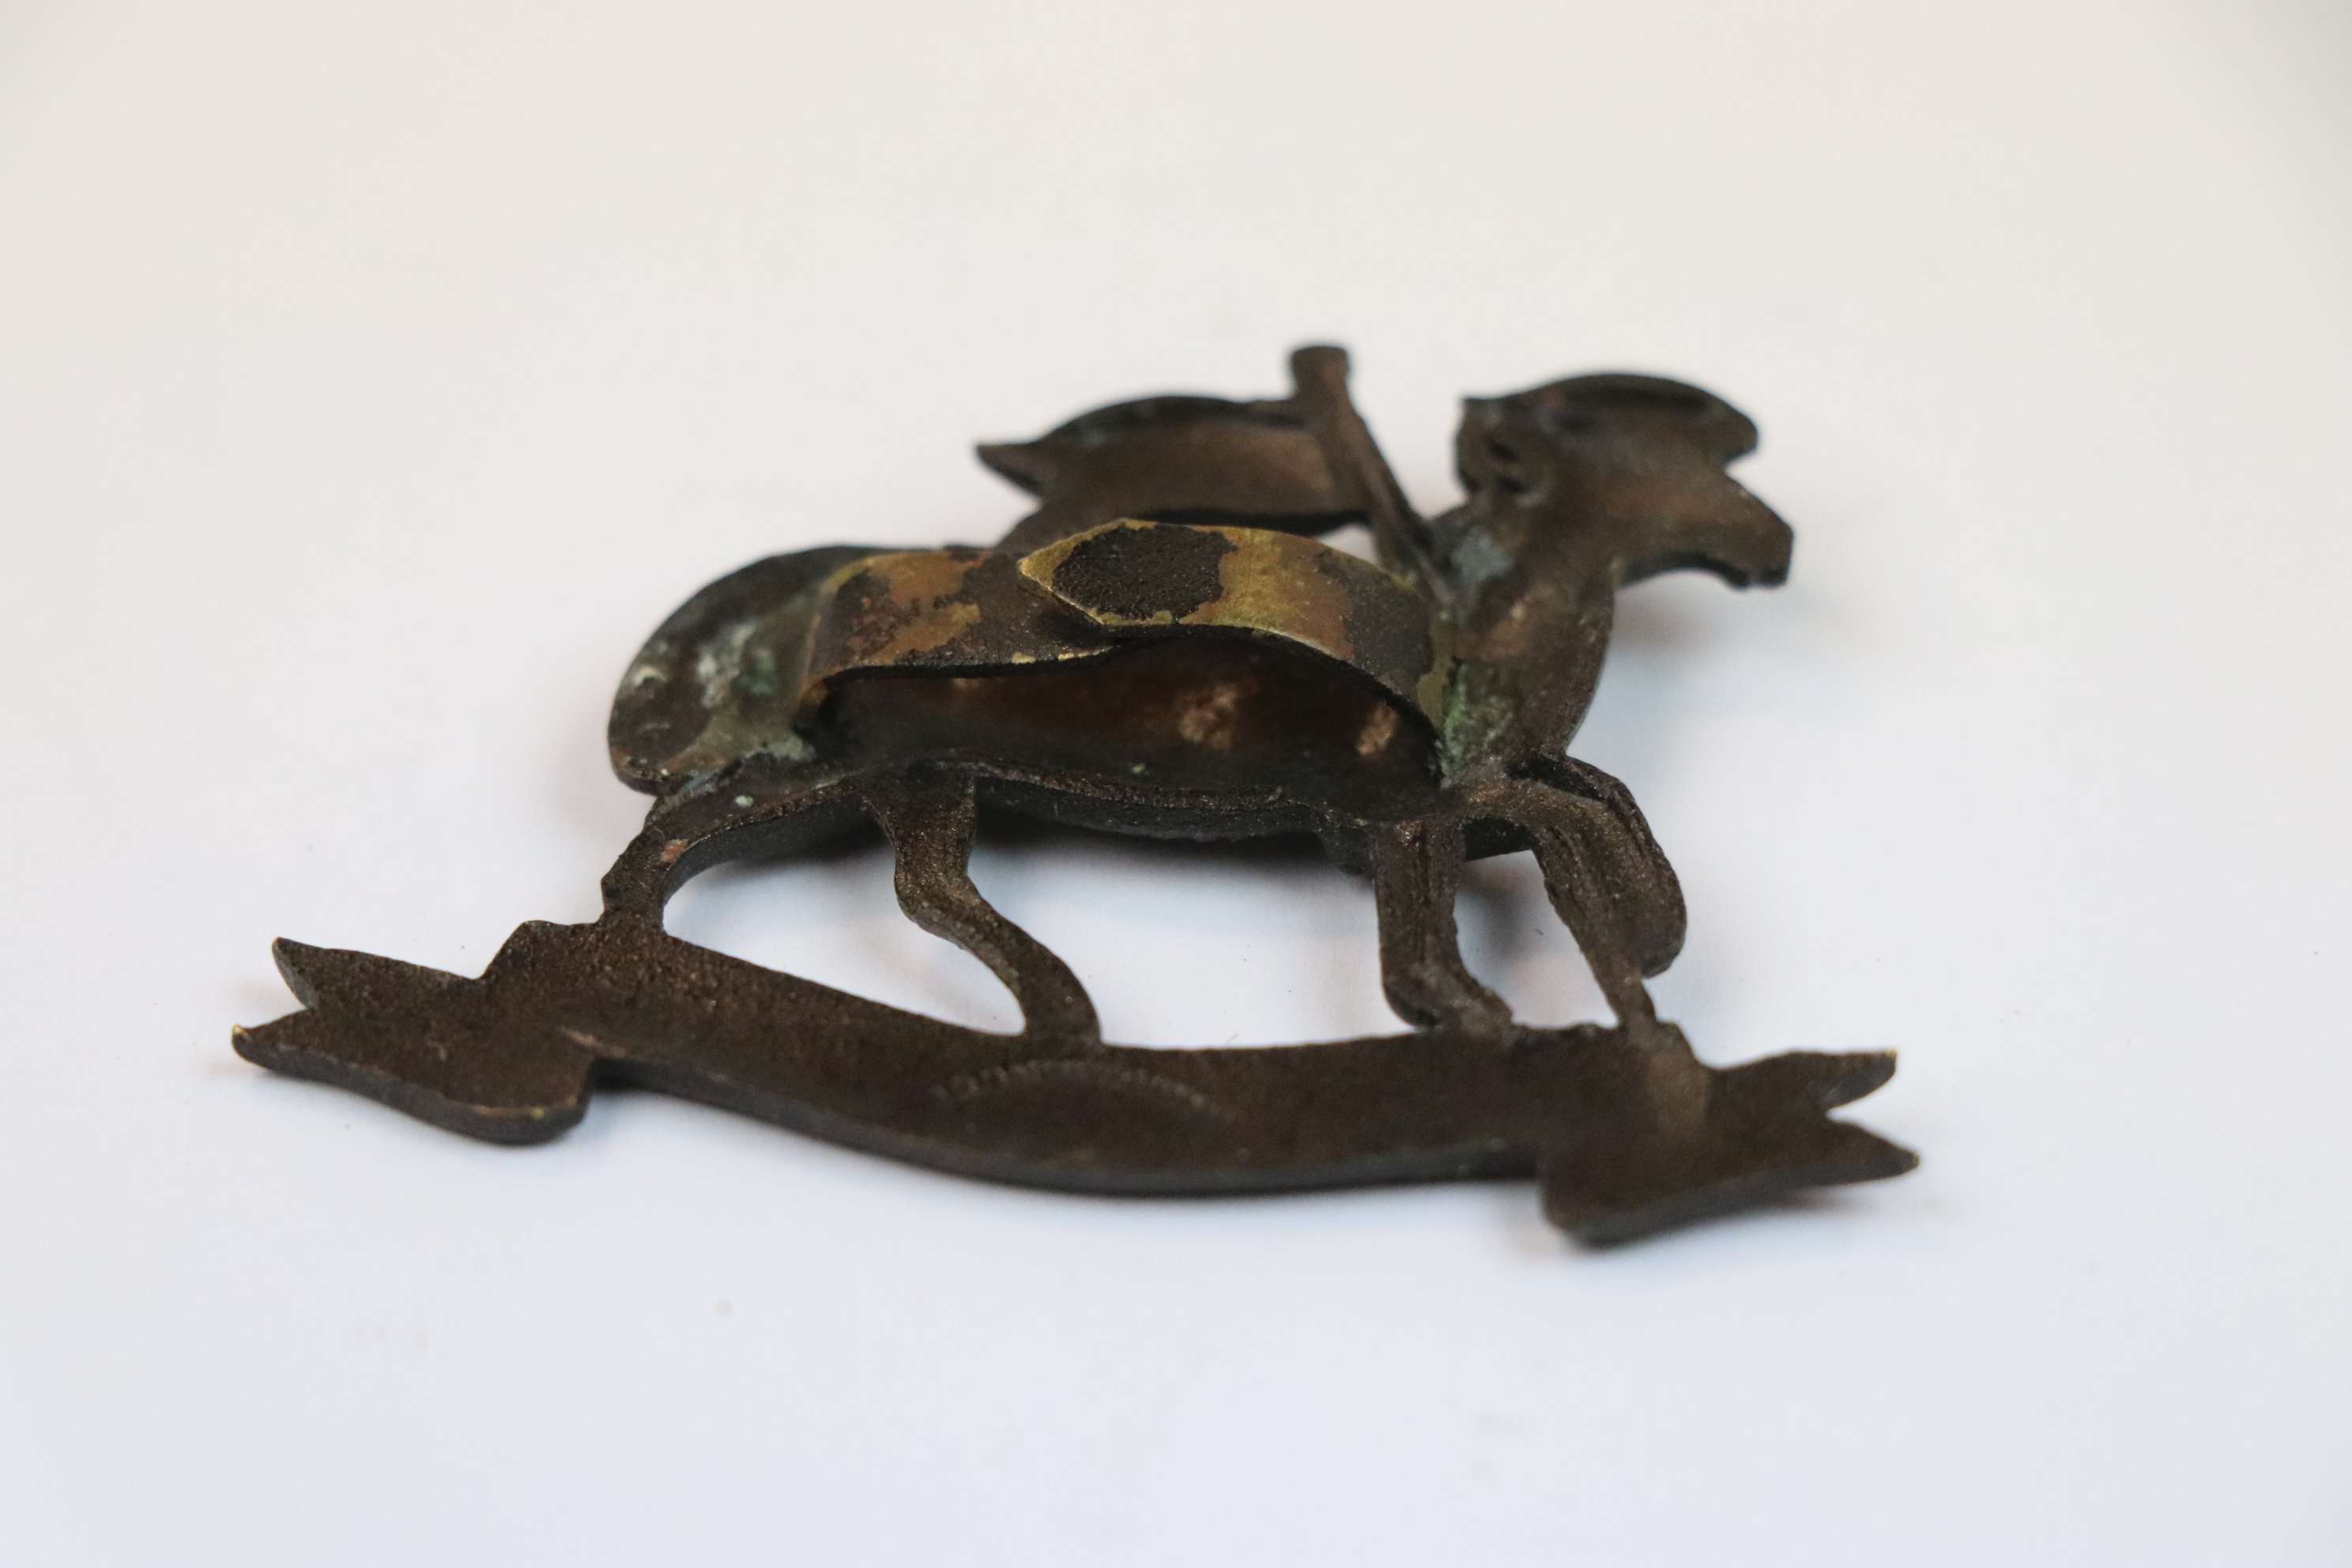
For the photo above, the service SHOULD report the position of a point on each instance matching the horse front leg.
(929, 816)
(1627, 922)
(1416, 868)
(1640, 883)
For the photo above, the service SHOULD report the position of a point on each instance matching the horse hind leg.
(713, 828)
(1416, 870)
(930, 819)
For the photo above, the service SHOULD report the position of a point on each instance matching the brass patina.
(1165, 647)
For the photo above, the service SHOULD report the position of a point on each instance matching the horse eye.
(1503, 472)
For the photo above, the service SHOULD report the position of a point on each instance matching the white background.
(373, 378)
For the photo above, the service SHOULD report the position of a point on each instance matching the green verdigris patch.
(716, 682)
(746, 706)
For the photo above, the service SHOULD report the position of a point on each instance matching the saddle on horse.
(970, 612)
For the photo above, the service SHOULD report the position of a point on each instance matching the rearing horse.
(1163, 649)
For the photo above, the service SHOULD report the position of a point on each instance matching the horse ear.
(1625, 404)
(1025, 463)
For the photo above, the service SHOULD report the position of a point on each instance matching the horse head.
(1626, 472)
(1575, 488)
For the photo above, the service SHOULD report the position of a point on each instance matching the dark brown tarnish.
(1164, 648)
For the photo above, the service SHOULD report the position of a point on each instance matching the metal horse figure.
(1163, 647)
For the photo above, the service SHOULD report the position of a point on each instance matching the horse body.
(1153, 695)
